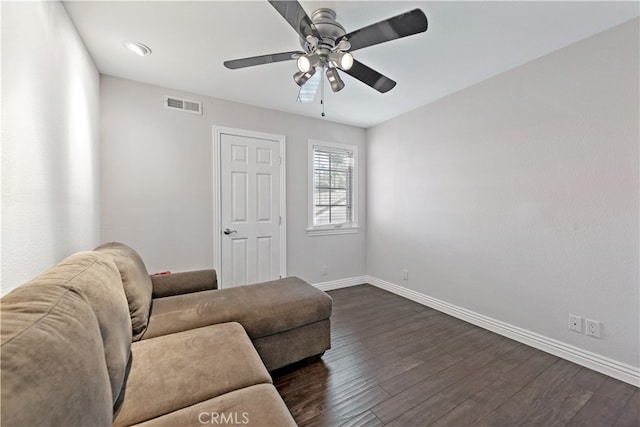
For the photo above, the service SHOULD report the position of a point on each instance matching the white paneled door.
(250, 217)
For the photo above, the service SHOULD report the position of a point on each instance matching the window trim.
(345, 228)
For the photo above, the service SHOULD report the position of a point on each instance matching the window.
(332, 191)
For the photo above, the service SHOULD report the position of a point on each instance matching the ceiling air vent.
(185, 105)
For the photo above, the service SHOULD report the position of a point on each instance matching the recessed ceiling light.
(137, 48)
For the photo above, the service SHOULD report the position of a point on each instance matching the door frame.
(218, 131)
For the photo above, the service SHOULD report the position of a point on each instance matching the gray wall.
(157, 173)
(50, 145)
(517, 198)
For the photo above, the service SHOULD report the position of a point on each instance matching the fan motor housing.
(330, 30)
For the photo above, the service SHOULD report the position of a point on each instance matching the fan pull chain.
(322, 93)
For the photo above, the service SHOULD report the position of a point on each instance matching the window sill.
(352, 229)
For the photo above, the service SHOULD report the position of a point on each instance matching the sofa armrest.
(183, 283)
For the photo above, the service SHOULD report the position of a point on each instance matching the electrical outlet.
(405, 274)
(323, 270)
(593, 328)
(575, 323)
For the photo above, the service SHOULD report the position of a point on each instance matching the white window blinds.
(332, 186)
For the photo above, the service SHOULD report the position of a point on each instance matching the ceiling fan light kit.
(342, 60)
(326, 44)
(334, 80)
(301, 77)
(307, 62)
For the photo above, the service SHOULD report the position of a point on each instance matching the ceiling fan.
(327, 46)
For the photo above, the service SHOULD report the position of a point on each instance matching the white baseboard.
(604, 365)
(342, 283)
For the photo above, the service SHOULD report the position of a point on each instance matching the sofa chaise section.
(287, 319)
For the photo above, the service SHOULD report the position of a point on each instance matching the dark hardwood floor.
(397, 363)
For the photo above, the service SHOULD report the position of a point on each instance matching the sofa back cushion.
(98, 278)
(136, 282)
(63, 350)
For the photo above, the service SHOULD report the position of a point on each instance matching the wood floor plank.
(527, 372)
(385, 352)
(290, 379)
(418, 322)
(508, 354)
(365, 419)
(437, 358)
(605, 407)
(406, 400)
(394, 368)
(569, 398)
(486, 401)
(359, 309)
(479, 405)
(382, 324)
(425, 413)
(630, 416)
(348, 408)
(307, 409)
(397, 363)
(536, 394)
(396, 332)
(379, 367)
(494, 419)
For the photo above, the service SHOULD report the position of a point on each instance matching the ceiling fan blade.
(261, 60)
(403, 25)
(308, 90)
(370, 77)
(295, 15)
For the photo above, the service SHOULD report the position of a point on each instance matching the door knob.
(227, 231)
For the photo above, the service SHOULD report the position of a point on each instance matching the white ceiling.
(466, 42)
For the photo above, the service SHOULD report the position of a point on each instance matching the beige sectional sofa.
(97, 341)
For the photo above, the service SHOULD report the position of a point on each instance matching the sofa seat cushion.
(52, 359)
(262, 309)
(175, 371)
(136, 282)
(259, 405)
